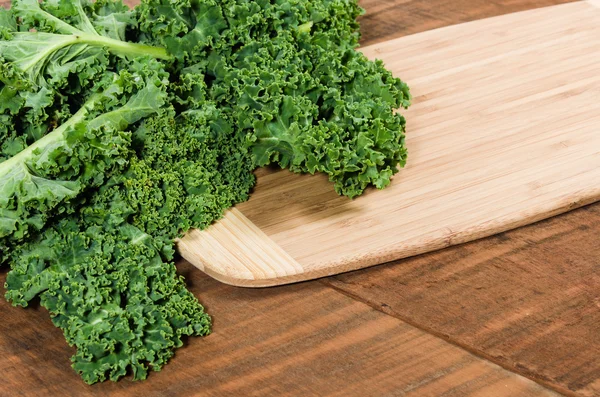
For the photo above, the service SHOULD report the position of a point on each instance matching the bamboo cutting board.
(504, 131)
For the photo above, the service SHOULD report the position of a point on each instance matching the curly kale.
(64, 38)
(106, 273)
(40, 180)
(50, 66)
(111, 291)
(296, 87)
(122, 129)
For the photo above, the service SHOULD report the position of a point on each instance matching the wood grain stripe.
(247, 254)
(301, 340)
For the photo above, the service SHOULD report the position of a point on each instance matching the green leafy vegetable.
(112, 294)
(122, 129)
(295, 85)
(58, 46)
(110, 286)
(41, 179)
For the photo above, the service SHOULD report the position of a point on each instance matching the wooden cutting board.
(504, 131)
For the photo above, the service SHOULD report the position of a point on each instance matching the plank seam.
(540, 380)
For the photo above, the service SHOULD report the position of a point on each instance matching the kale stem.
(123, 47)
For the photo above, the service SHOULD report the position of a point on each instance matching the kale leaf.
(40, 180)
(294, 83)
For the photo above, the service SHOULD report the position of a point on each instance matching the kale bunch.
(289, 75)
(106, 272)
(121, 129)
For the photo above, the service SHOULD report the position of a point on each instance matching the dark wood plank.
(528, 299)
(304, 339)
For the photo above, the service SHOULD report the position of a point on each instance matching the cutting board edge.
(229, 274)
(234, 248)
(248, 280)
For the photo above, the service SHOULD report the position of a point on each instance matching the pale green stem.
(123, 47)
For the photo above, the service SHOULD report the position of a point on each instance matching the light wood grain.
(247, 250)
(504, 131)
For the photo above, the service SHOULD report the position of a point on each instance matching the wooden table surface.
(517, 314)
